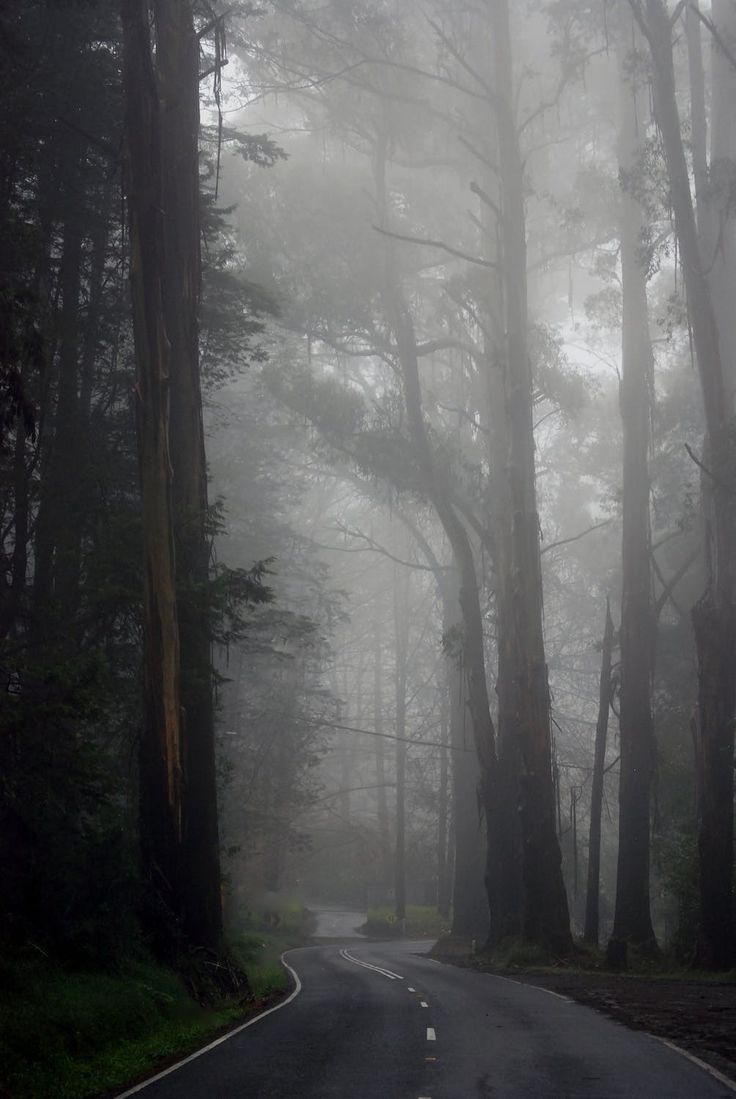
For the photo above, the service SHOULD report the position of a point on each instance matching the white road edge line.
(431, 1035)
(344, 953)
(225, 1037)
(527, 984)
(719, 1076)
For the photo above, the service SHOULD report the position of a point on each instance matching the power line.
(364, 732)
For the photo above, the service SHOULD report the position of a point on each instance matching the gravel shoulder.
(698, 1015)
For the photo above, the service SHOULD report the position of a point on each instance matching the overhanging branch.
(429, 243)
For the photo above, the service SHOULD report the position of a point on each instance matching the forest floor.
(697, 1013)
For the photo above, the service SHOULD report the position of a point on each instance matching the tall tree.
(545, 916)
(714, 616)
(401, 649)
(178, 796)
(632, 919)
(177, 64)
(592, 896)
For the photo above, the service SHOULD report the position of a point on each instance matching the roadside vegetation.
(421, 922)
(67, 1034)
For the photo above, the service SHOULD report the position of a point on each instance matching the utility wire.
(364, 732)
(406, 739)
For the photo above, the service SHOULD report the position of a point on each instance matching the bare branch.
(669, 587)
(475, 524)
(447, 344)
(218, 67)
(478, 154)
(436, 244)
(716, 480)
(718, 37)
(490, 92)
(371, 546)
(210, 26)
(638, 14)
(576, 537)
(677, 12)
(486, 199)
(611, 765)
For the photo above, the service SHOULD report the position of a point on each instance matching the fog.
(367, 475)
(391, 188)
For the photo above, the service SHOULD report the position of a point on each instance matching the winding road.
(384, 1021)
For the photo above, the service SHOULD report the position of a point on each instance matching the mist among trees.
(367, 479)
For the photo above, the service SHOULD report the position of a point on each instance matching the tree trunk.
(161, 744)
(177, 63)
(715, 216)
(56, 581)
(384, 838)
(401, 633)
(467, 856)
(444, 881)
(545, 917)
(713, 617)
(399, 317)
(470, 911)
(632, 918)
(592, 897)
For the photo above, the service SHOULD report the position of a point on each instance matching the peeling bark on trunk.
(177, 64)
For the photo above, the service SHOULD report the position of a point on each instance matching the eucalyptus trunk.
(632, 918)
(384, 838)
(439, 494)
(714, 617)
(593, 892)
(401, 634)
(545, 916)
(177, 63)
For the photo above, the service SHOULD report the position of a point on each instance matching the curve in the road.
(225, 1037)
(354, 1033)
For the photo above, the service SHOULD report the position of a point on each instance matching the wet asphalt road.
(383, 1021)
(333, 923)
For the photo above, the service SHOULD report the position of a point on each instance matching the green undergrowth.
(74, 1035)
(515, 955)
(422, 922)
(267, 931)
(69, 1035)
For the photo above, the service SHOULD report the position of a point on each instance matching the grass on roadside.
(71, 1035)
(422, 922)
(74, 1035)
